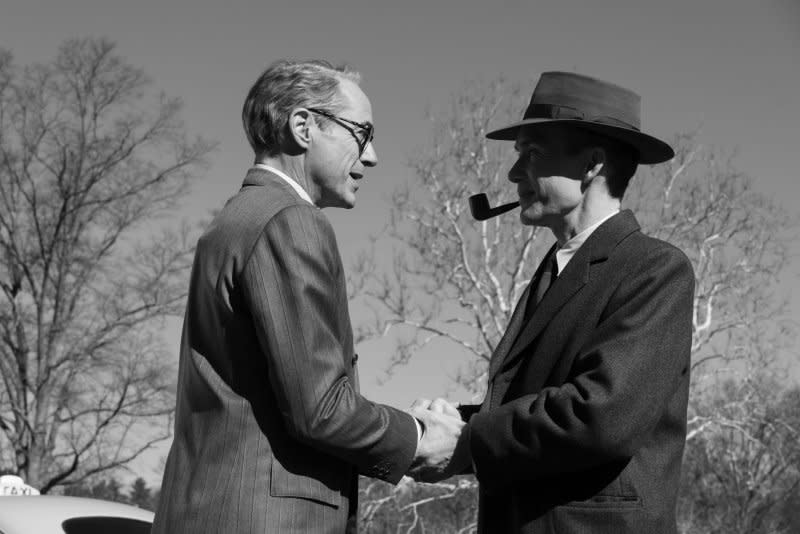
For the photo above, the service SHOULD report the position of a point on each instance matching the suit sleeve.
(294, 287)
(618, 389)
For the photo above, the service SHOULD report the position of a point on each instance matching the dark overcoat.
(583, 426)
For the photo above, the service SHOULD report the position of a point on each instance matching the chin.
(347, 204)
(349, 201)
(529, 219)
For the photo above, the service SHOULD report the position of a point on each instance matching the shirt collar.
(286, 178)
(566, 252)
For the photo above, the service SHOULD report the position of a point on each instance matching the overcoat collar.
(596, 249)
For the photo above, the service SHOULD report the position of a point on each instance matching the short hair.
(284, 86)
(621, 158)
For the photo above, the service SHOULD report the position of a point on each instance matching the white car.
(28, 513)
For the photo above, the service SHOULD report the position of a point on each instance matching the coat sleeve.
(294, 288)
(619, 385)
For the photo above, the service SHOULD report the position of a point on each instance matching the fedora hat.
(592, 104)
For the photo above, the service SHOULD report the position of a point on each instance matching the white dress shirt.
(566, 252)
(286, 178)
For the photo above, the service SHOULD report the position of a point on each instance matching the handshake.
(443, 449)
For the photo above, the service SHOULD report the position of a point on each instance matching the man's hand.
(441, 438)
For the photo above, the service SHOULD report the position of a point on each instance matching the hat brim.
(651, 149)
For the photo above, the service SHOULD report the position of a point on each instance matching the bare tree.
(741, 470)
(743, 447)
(444, 508)
(451, 277)
(738, 240)
(456, 279)
(89, 160)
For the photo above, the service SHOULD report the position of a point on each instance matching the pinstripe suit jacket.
(270, 430)
(583, 426)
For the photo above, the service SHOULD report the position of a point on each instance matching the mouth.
(354, 183)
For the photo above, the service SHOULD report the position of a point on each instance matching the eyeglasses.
(363, 140)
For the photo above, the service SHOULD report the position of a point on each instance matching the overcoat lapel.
(516, 322)
(563, 289)
(575, 276)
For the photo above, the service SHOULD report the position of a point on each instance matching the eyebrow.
(537, 142)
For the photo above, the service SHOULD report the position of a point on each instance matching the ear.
(299, 127)
(595, 162)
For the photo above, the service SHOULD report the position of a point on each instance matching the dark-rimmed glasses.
(363, 140)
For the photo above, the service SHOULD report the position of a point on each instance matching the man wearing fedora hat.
(584, 421)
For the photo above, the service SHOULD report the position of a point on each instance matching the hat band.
(558, 111)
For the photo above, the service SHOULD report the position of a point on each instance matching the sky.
(728, 67)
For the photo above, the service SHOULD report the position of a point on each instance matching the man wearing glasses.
(270, 430)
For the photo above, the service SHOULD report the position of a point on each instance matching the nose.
(515, 173)
(369, 157)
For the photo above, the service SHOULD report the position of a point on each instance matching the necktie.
(527, 303)
(530, 299)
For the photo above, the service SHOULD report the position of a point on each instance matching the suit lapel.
(577, 273)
